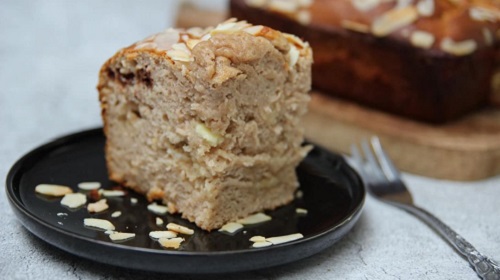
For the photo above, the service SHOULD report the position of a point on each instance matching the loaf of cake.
(428, 60)
(207, 120)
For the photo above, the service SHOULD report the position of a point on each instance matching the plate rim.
(20, 209)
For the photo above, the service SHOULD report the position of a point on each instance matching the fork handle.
(484, 266)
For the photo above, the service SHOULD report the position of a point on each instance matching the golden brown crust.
(431, 68)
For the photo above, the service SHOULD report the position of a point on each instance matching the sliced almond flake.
(257, 238)
(179, 229)
(181, 47)
(53, 190)
(116, 214)
(180, 55)
(162, 234)
(231, 227)
(301, 211)
(62, 214)
(293, 56)
(254, 30)
(295, 40)
(146, 45)
(488, 36)
(98, 223)
(365, 5)
(394, 20)
(254, 219)
(484, 14)
(283, 6)
(195, 32)
(121, 236)
(133, 200)
(165, 40)
(425, 8)
(113, 193)
(458, 48)
(157, 209)
(159, 221)
(174, 243)
(303, 17)
(98, 206)
(261, 244)
(184, 38)
(422, 39)
(108, 232)
(355, 26)
(88, 186)
(206, 37)
(229, 26)
(191, 43)
(285, 238)
(74, 200)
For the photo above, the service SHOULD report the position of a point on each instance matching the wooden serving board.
(466, 149)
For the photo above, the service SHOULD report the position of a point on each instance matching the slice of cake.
(207, 120)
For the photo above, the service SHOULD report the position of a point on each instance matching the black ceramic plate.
(332, 193)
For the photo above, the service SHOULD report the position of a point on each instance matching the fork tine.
(388, 167)
(372, 166)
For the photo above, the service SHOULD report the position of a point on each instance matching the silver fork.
(384, 182)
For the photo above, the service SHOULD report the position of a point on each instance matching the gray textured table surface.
(50, 52)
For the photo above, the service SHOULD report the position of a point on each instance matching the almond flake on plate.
(157, 209)
(88, 186)
(301, 211)
(159, 221)
(98, 206)
(231, 227)
(254, 219)
(174, 243)
(260, 244)
(162, 234)
(98, 223)
(74, 200)
(133, 200)
(285, 238)
(53, 190)
(112, 193)
(121, 236)
(179, 229)
(257, 238)
(116, 214)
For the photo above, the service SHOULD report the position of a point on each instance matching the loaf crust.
(438, 64)
(207, 120)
